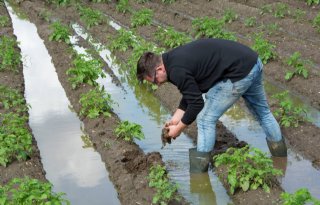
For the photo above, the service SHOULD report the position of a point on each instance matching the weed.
(301, 196)
(311, 2)
(15, 139)
(316, 22)
(290, 115)
(211, 28)
(10, 58)
(165, 189)
(250, 22)
(4, 21)
(264, 48)
(90, 16)
(96, 102)
(30, 191)
(142, 18)
(171, 38)
(84, 70)
(123, 41)
(12, 99)
(123, 6)
(229, 16)
(300, 66)
(128, 131)
(281, 10)
(248, 168)
(60, 32)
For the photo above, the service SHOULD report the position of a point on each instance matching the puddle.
(72, 169)
(312, 113)
(248, 129)
(236, 120)
(139, 106)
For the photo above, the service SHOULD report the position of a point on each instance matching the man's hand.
(175, 118)
(175, 130)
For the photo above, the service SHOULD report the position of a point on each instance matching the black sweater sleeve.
(192, 101)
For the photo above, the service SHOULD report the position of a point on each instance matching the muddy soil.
(302, 139)
(181, 14)
(127, 165)
(32, 167)
(126, 179)
(225, 138)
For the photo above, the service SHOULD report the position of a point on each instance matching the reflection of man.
(225, 71)
(200, 184)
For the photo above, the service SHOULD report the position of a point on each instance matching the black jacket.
(197, 66)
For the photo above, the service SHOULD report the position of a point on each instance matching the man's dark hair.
(147, 64)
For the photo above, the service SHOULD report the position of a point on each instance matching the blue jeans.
(223, 95)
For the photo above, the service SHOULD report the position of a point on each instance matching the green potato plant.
(316, 22)
(299, 65)
(12, 99)
(250, 21)
(211, 28)
(229, 16)
(100, 1)
(171, 38)
(129, 131)
(15, 138)
(84, 70)
(59, 2)
(165, 189)
(10, 58)
(4, 21)
(60, 32)
(123, 6)
(301, 196)
(290, 115)
(168, 1)
(264, 48)
(312, 2)
(45, 15)
(281, 10)
(96, 102)
(21, 191)
(122, 41)
(90, 17)
(142, 18)
(248, 168)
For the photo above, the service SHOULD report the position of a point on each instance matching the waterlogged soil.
(129, 173)
(303, 139)
(32, 167)
(127, 164)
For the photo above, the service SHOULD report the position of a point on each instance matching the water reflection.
(71, 169)
(200, 185)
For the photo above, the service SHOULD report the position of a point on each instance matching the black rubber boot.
(277, 149)
(199, 161)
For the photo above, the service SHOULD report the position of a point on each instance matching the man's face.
(159, 77)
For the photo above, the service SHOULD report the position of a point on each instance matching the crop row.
(129, 43)
(15, 136)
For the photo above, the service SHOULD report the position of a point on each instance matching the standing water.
(72, 169)
(236, 120)
(139, 106)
